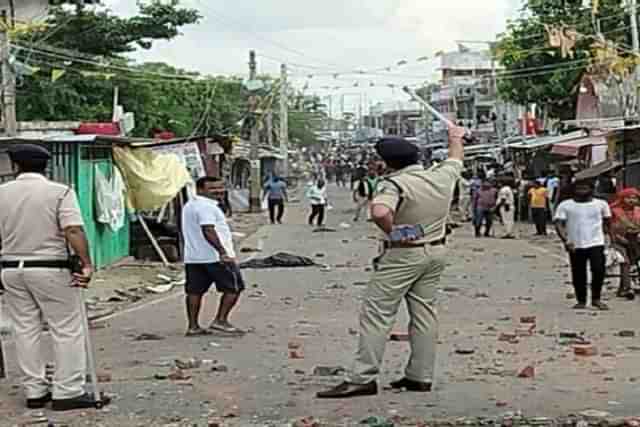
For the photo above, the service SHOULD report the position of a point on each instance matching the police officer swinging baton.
(437, 114)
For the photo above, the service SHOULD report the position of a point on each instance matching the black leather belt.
(409, 245)
(36, 264)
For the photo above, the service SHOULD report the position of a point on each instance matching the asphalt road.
(489, 285)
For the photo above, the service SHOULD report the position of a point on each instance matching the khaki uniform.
(30, 231)
(408, 273)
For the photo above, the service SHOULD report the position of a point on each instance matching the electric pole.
(284, 120)
(635, 40)
(255, 205)
(8, 78)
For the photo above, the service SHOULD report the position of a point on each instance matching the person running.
(538, 204)
(582, 223)
(363, 194)
(317, 195)
(209, 257)
(276, 193)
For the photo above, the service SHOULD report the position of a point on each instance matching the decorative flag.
(56, 74)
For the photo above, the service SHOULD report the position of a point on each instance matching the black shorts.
(200, 277)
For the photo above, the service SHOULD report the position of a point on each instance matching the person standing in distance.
(406, 270)
(39, 221)
(538, 203)
(209, 258)
(582, 224)
(506, 207)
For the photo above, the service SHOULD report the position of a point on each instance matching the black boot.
(346, 390)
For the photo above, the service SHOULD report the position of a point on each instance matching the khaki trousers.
(464, 207)
(37, 295)
(508, 220)
(412, 275)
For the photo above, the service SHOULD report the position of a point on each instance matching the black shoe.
(40, 402)
(580, 306)
(85, 401)
(346, 390)
(411, 385)
(599, 305)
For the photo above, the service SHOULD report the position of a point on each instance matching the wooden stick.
(3, 370)
(154, 242)
(162, 213)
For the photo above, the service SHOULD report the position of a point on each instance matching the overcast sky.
(325, 37)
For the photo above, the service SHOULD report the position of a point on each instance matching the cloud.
(322, 37)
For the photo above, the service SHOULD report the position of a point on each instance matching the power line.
(221, 18)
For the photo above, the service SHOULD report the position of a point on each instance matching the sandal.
(197, 332)
(228, 329)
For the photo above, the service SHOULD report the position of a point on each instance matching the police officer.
(409, 268)
(39, 221)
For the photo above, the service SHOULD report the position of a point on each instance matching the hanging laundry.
(569, 40)
(109, 199)
(554, 34)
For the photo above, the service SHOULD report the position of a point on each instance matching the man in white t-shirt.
(209, 257)
(582, 223)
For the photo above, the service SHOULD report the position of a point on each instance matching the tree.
(80, 39)
(537, 73)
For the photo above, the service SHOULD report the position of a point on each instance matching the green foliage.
(537, 73)
(196, 104)
(207, 104)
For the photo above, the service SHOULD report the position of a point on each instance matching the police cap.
(26, 152)
(397, 149)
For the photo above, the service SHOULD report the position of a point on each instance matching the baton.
(91, 358)
(437, 114)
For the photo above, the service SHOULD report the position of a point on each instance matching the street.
(503, 307)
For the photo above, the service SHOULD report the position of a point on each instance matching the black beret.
(396, 149)
(22, 152)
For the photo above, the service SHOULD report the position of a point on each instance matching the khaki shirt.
(29, 228)
(426, 196)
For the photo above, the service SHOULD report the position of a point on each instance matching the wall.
(107, 247)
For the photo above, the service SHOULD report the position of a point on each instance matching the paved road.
(489, 285)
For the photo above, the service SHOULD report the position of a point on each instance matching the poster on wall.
(189, 155)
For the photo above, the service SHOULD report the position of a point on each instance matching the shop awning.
(599, 169)
(572, 148)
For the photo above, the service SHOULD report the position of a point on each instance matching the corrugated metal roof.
(531, 144)
(572, 148)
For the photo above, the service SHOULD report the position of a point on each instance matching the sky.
(331, 43)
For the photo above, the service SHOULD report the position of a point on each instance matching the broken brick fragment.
(528, 372)
(585, 350)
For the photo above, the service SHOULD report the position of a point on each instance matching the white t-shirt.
(584, 221)
(198, 212)
(506, 194)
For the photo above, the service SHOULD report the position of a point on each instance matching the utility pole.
(270, 127)
(8, 78)
(635, 40)
(255, 205)
(284, 120)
